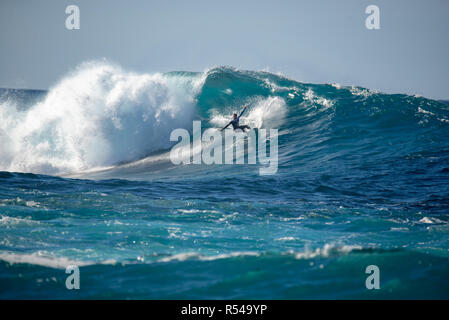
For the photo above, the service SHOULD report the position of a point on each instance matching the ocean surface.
(86, 180)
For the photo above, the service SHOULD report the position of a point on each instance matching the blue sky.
(315, 41)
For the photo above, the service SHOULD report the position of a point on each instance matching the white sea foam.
(41, 259)
(355, 91)
(285, 239)
(47, 259)
(198, 256)
(275, 88)
(97, 116)
(336, 85)
(12, 221)
(427, 220)
(326, 251)
(428, 113)
(420, 110)
(311, 97)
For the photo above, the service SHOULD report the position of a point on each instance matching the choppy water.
(362, 180)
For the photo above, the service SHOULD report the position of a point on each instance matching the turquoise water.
(362, 180)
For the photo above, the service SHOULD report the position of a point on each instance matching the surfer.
(235, 121)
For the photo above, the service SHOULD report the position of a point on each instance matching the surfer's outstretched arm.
(244, 108)
(226, 126)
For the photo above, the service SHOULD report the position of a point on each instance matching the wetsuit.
(235, 123)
